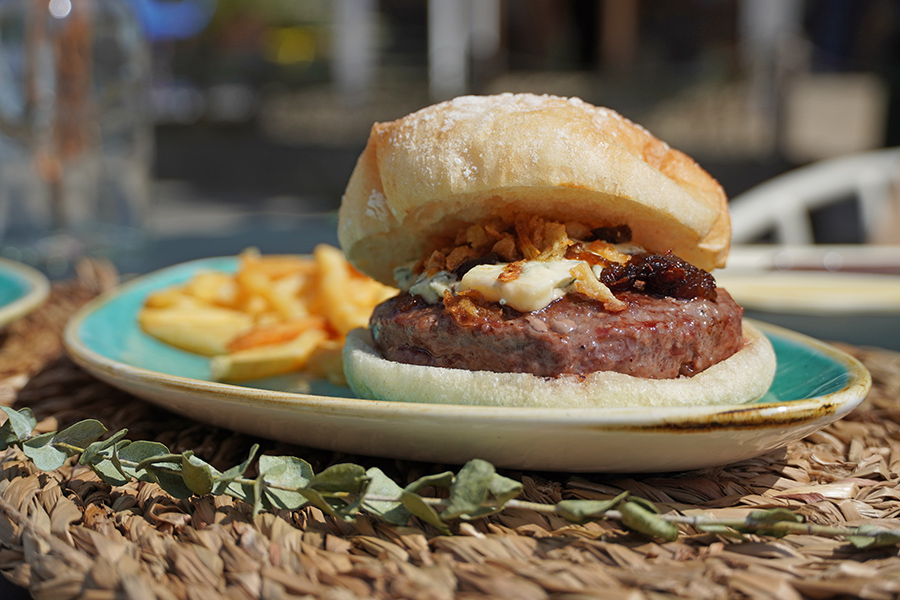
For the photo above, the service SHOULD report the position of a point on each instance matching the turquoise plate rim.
(31, 290)
(854, 384)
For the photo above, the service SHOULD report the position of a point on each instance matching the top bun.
(475, 157)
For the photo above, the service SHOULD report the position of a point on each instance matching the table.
(68, 533)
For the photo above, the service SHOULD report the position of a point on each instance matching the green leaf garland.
(343, 490)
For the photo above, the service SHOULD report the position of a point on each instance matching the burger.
(548, 253)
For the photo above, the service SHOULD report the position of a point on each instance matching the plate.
(22, 289)
(814, 385)
(835, 258)
(810, 292)
(822, 280)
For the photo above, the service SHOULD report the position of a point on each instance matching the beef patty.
(654, 337)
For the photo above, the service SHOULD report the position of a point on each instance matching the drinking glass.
(75, 134)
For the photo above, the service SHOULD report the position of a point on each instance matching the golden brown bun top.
(474, 157)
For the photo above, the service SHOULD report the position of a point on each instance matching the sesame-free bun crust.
(743, 377)
(475, 157)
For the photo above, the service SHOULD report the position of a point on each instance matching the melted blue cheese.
(431, 289)
(538, 284)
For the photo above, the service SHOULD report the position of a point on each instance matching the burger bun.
(479, 157)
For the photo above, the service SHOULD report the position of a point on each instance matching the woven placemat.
(66, 534)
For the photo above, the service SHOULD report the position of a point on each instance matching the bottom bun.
(743, 377)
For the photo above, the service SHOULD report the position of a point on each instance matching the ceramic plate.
(824, 280)
(815, 384)
(808, 292)
(22, 289)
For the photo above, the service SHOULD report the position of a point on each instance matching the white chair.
(783, 204)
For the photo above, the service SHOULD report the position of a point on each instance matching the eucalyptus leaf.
(382, 486)
(582, 511)
(107, 466)
(417, 506)
(774, 522)
(345, 477)
(78, 436)
(500, 491)
(226, 480)
(638, 517)
(114, 459)
(197, 475)
(258, 495)
(8, 437)
(644, 503)
(20, 422)
(872, 536)
(469, 489)
(285, 472)
(49, 451)
(102, 448)
(774, 515)
(152, 462)
(133, 455)
(441, 480)
(241, 491)
(719, 529)
(108, 471)
(42, 453)
(170, 478)
(503, 489)
(334, 506)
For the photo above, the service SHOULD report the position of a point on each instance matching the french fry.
(276, 266)
(347, 306)
(253, 289)
(170, 297)
(277, 313)
(285, 296)
(335, 301)
(201, 330)
(213, 287)
(266, 361)
(276, 333)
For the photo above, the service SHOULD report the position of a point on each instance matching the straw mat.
(66, 534)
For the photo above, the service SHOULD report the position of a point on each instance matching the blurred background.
(264, 105)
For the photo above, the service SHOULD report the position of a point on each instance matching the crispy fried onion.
(607, 251)
(542, 240)
(527, 238)
(495, 241)
(512, 271)
(470, 308)
(586, 283)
